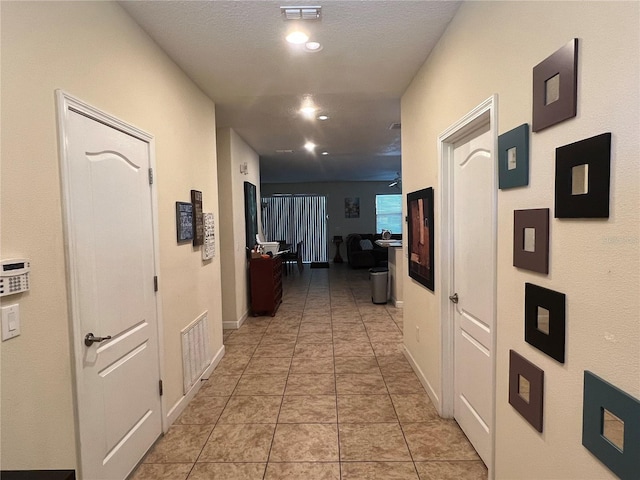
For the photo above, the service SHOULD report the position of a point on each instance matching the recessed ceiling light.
(313, 46)
(323, 117)
(308, 111)
(310, 146)
(297, 37)
(325, 153)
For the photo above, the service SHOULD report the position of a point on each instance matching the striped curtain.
(298, 218)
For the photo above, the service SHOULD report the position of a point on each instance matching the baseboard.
(235, 324)
(397, 303)
(423, 380)
(181, 404)
(38, 474)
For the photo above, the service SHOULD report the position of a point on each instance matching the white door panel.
(111, 257)
(473, 268)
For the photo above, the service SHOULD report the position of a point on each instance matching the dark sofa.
(359, 258)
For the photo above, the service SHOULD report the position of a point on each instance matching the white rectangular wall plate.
(10, 321)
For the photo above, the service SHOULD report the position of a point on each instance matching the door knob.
(454, 298)
(89, 339)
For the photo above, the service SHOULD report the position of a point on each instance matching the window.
(389, 213)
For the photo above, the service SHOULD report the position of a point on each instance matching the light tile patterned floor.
(321, 391)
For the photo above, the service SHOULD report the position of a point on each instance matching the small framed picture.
(544, 320)
(184, 221)
(555, 87)
(531, 239)
(583, 173)
(526, 389)
(611, 426)
(513, 158)
(198, 229)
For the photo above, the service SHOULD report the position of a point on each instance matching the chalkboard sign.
(184, 221)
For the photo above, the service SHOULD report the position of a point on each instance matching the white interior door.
(108, 207)
(474, 266)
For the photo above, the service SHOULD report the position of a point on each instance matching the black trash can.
(379, 277)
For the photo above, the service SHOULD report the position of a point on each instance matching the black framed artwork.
(420, 230)
(184, 221)
(611, 426)
(531, 239)
(555, 87)
(250, 214)
(544, 320)
(198, 226)
(526, 389)
(583, 173)
(513, 158)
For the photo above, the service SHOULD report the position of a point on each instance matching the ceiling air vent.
(284, 151)
(301, 13)
(395, 126)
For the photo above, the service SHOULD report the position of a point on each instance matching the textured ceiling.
(236, 52)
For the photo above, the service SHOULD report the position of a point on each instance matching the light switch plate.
(10, 321)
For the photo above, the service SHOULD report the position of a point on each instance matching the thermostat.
(14, 276)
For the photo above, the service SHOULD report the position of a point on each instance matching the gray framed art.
(611, 426)
(513, 158)
(583, 171)
(544, 320)
(526, 389)
(555, 87)
(531, 239)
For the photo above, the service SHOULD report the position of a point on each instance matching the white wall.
(94, 51)
(491, 47)
(233, 151)
(336, 192)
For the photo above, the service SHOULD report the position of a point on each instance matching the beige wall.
(95, 52)
(491, 47)
(233, 151)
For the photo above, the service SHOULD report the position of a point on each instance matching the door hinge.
(160, 387)
(155, 283)
(151, 176)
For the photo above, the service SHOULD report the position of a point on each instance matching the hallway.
(320, 391)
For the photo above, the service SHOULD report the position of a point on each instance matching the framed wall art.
(250, 214)
(526, 389)
(209, 244)
(555, 87)
(544, 320)
(352, 207)
(531, 239)
(513, 158)
(198, 232)
(611, 426)
(583, 171)
(184, 221)
(421, 234)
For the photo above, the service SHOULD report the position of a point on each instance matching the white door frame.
(64, 102)
(487, 111)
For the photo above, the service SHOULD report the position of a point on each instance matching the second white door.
(474, 267)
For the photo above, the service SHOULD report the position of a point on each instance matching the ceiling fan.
(396, 182)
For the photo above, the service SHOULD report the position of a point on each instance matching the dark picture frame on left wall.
(250, 214)
(184, 221)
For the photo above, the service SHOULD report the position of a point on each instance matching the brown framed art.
(420, 230)
(526, 389)
(198, 227)
(531, 239)
(555, 87)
